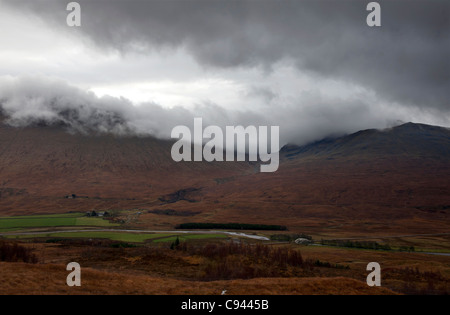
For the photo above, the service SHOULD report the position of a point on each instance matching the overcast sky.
(312, 67)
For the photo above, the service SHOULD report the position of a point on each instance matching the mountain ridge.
(409, 138)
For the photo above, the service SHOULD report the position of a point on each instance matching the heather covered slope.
(393, 181)
(49, 279)
(40, 165)
(387, 182)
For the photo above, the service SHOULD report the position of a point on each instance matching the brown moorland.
(19, 278)
(389, 186)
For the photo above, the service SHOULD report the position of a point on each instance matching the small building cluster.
(93, 213)
(303, 241)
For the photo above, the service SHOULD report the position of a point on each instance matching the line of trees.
(289, 237)
(352, 244)
(231, 226)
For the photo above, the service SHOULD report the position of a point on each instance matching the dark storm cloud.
(406, 60)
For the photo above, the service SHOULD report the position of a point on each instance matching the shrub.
(16, 253)
(244, 261)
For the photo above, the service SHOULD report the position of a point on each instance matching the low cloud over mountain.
(41, 100)
(314, 68)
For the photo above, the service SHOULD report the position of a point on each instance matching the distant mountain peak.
(409, 139)
(412, 125)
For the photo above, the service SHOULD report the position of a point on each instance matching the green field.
(22, 223)
(69, 219)
(121, 236)
(115, 236)
(2, 230)
(40, 216)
